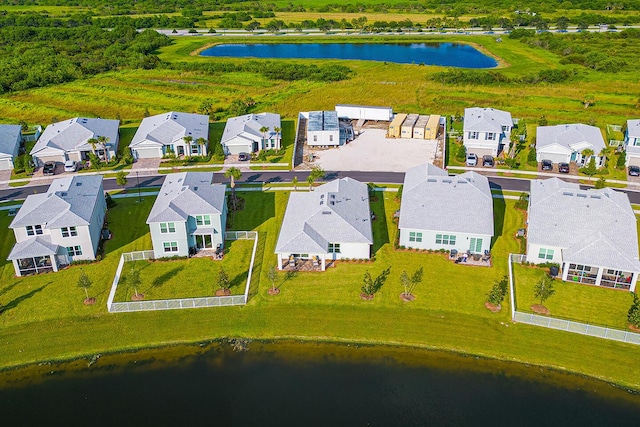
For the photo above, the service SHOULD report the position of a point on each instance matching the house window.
(545, 253)
(475, 245)
(32, 230)
(74, 250)
(473, 135)
(445, 239)
(330, 138)
(315, 138)
(195, 149)
(334, 248)
(491, 136)
(505, 128)
(167, 227)
(69, 231)
(203, 219)
(170, 246)
(415, 236)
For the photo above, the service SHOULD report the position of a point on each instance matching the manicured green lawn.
(189, 278)
(582, 303)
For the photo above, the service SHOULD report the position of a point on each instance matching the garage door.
(237, 149)
(147, 153)
(554, 157)
(481, 151)
(6, 164)
(633, 161)
(44, 159)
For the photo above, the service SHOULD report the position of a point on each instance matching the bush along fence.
(562, 324)
(174, 304)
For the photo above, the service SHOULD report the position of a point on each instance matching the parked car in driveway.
(547, 165)
(70, 166)
(472, 159)
(634, 170)
(49, 168)
(243, 157)
(563, 167)
(487, 161)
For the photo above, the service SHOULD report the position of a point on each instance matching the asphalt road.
(508, 184)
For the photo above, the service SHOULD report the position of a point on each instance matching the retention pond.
(444, 54)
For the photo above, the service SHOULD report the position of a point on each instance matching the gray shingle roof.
(248, 126)
(9, 138)
(594, 227)
(187, 194)
(168, 128)
(335, 212)
(33, 247)
(73, 134)
(69, 201)
(575, 137)
(322, 120)
(433, 200)
(486, 120)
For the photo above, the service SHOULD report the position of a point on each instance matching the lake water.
(306, 385)
(445, 54)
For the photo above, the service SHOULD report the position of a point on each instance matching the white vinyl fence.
(562, 324)
(174, 304)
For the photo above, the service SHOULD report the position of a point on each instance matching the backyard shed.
(396, 125)
(431, 131)
(407, 126)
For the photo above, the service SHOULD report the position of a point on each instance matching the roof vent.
(584, 196)
(447, 181)
(462, 181)
(566, 193)
(78, 184)
(432, 180)
(195, 188)
(326, 212)
(595, 196)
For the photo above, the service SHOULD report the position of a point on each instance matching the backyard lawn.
(189, 278)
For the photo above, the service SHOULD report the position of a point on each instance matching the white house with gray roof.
(183, 134)
(591, 233)
(71, 140)
(632, 143)
(53, 229)
(332, 222)
(566, 143)
(243, 134)
(486, 130)
(439, 211)
(190, 212)
(10, 138)
(323, 128)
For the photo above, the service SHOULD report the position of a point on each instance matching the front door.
(204, 241)
(180, 150)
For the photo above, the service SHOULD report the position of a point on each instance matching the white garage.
(146, 152)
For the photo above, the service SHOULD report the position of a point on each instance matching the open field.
(45, 318)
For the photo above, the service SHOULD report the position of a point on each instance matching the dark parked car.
(49, 168)
(634, 170)
(563, 167)
(547, 165)
(243, 157)
(487, 161)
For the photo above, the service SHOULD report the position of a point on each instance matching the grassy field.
(44, 317)
(189, 278)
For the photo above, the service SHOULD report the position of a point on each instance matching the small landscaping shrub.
(633, 317)
(498, 291)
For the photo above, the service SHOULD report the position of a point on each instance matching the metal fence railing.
(563, 324)
(176, 304)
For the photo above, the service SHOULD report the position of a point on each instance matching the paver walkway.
(144, 167)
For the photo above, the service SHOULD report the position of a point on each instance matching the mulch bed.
(492, 307)
(366, 297)
(138, 297)
(634, 328)
(89, 301)
(223, 292)
(407, 297)
(274, 291)
(539, 309)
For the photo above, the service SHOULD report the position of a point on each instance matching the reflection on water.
(445, 54)
(306, 384)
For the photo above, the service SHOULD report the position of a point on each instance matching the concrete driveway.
(371, 151)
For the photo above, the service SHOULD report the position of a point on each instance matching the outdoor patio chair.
(316, 262)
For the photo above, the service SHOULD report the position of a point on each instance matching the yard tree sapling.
(633, 316)
(85, 283)
(410, 282)
(233, 174)
(121, 179)
(622, 160)
(272, 274)
(370, 286)
(133, 281)
(294, 181)
(497, 293)
(223, 283)
(543, 290)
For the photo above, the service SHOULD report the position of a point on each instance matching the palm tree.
(103, 140)
(264, 130)
(202, 142)
(188, 140)
(93, 142)
(233, 174)
(277, 131)
(316, 173)
(586, 154)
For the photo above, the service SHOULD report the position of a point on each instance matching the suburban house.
(251, 133)
(439, 211)
(329, 223)
(323, 129)
(486, 131)
(10, 139)
(632, 143)
(189, 215)
(566, 143)
(74, 139)
(64, 224)
(183, 134)
(591, 234)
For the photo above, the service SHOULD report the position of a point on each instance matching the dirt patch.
(138, 297)
(366, 297)
(492, 307)
(223, 292)
(539, 309)
(407, 297)
(634, 328)
(89, 301)
(274, 291)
